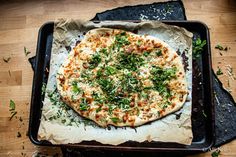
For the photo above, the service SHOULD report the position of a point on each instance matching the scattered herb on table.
(12, 105)
(216, 153)
(12, 109)
(198, 47)
(20, 119)
(26, 51)
(219, 47)
(6, 60)
(219, 71)
(18, 134)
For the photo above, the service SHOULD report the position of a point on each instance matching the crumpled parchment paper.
(61, 125)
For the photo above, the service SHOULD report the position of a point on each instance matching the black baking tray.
(202, 98)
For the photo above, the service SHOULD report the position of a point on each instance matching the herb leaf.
(216, 153)
(83, 105)
(219, 71)
(12, 105)
(218, 46)
(121, 40)
(96, 59)
(75, 88)
(129, 61)
(115, 119)
(26, 51)
(6, 59)
(160, 78)
(109, 70)
(198, 47)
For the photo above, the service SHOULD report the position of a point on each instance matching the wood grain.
(19, 24)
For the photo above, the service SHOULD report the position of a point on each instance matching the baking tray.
(202, 101)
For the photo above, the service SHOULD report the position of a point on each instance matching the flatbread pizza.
(116, 77)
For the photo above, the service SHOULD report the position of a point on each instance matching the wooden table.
(19, 24)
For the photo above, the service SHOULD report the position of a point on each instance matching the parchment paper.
(61, 125)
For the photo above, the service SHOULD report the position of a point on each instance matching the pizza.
(115, 77)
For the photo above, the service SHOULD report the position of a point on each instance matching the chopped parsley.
(216, 153)
(109, 70)
(198, 46)
(26, 51)
(129, 83)
(160, 78)
(146, 53)
(115, 119)
(83, 105)
(12, 105)
(98, 109)
(219, 71)
(159, 53)
(124, 103)
(121, 40)
(75, 87)
(95, 60)
(106, 84)
(219, 47)
(97, 97)
(104, 51)
(12, 109)
(129, 61)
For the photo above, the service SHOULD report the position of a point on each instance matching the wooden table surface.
(19, 24)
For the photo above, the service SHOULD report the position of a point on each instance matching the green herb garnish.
(146, 53)
(12, 105)
(83, 105)
(96, 59)
(160, 78)
(219, 47)
(216, 153)
(26, 51)
(121, 40)
(129, 61)
(198, 47)
(109, 70)
(104, 51)
(219, 71)
(75, 87)
(124, 103)
(115, 119)
(159, 53)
